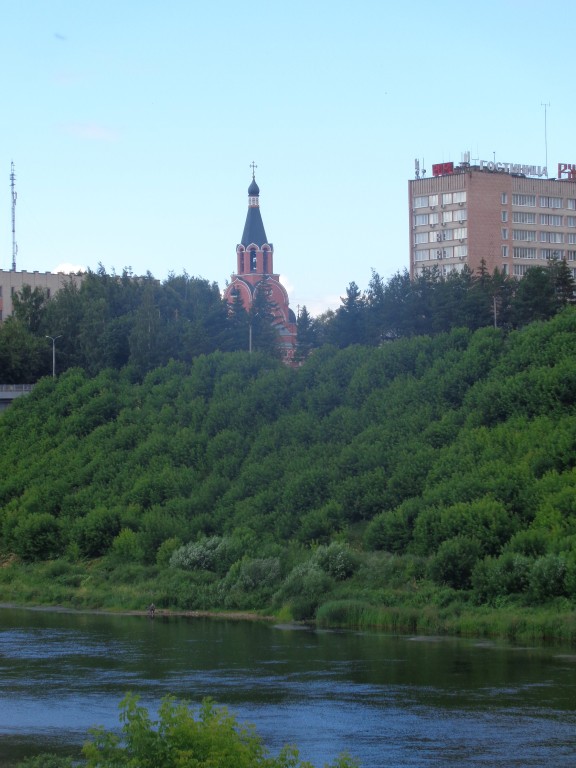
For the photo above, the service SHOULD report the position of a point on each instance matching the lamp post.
(53, 338)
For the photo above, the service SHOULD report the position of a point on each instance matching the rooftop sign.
(527, 170)
(567, 171)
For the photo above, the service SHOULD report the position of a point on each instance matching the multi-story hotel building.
(510, 216)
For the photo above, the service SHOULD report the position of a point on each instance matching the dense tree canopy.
(457, 447)
(114, 321)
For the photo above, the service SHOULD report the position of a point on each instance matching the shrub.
(495, 577)
(304, 588)
(548, 578)
(179, 738)
(337, 560)
(454, 561)
(212, 554)
(126, 547)
(166, 550)
(38, 537)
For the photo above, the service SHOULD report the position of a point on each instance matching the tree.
(306, 334)
(535, 297)
(262, 314)
(179, 739)
(29, 306)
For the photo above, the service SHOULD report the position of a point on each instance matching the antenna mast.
(14, 197)
(545, 132)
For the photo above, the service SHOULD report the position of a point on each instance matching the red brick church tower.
(255, 272)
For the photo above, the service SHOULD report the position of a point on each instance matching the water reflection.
(390, 701)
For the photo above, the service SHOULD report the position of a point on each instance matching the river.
(389, 701)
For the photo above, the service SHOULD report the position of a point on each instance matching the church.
(255, 272)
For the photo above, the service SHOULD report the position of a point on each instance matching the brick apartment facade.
(487, 211)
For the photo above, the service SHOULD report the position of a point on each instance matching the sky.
(132, 125)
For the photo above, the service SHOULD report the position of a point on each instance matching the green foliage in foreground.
(180, 739)
(425, 473)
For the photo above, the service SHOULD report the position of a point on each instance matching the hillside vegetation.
(428, 483)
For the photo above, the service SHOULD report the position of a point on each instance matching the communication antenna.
(14, 198)
(545, 132)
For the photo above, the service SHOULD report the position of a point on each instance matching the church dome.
(253, 189)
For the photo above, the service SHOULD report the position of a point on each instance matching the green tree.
(180, 739)
(29, 306)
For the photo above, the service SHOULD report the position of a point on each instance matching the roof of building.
(254, 227)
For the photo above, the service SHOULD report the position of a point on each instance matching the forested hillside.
(426, 466)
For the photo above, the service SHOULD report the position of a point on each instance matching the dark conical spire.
(254, 227)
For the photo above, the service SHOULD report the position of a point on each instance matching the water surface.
(390, 701)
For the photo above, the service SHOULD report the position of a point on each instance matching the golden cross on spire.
(253, 166)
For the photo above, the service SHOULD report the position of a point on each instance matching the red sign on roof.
(441, 169)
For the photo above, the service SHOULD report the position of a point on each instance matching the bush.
(454, 561)
(304, 588)
(337, 560)
(212, 554)
(126, 547)
(548, 578)
(38, 537)
(496, 577)
(179, 738)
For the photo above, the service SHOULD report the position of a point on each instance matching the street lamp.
(53, 338)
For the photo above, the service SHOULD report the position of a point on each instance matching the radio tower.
(14, 197)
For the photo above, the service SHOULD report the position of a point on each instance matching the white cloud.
(66, 267)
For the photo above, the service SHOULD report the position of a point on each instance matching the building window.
(523, 234)
(504, 251)
(551, 253)
(551, 219)
(461, 251)
(504, 198)
(504, 233)
(524, 253)
(550, 202)
(571, 221)
(571, 255)
(421, 237)
(432, 200)
(422, 255)
(523, 217)
(504, 215)
(571, 204)
(571, 238)
(460, 233)
(529, 200)
(461, 214)
(504, 269)
(459, 197)
(421, 202)
(421, 219)
(447, 216)
(551, 237)
(447, 198)
(520, 270)
(434, 218)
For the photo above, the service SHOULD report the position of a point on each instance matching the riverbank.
(418, 607)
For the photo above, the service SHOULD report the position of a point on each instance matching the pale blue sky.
(132, 124)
